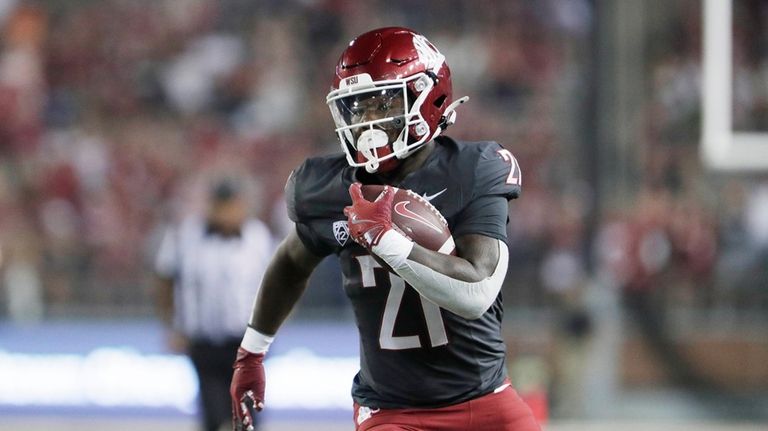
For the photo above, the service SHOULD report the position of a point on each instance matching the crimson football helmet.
(391, 95)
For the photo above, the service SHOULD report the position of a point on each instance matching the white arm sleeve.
(469, 300)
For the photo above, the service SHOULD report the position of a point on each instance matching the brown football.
(418, 219)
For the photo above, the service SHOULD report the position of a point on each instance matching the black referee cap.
(225, 190)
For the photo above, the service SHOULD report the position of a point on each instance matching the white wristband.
(393, 248)
(256, 342)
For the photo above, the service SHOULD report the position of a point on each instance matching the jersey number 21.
(387, 339)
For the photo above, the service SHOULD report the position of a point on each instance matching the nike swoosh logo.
(400, 208)
(430, 197)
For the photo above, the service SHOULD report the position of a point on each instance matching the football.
(417, 219)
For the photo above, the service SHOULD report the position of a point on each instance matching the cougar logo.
(401, 209)
(428, 54)
(341, 231)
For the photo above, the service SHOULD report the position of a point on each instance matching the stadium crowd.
(112, 113)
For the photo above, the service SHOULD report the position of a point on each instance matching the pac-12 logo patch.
(341, 231)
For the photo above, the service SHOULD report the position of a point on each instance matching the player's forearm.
(276, 299)
(284, 281)
(467, 299)
(465, 287)
(453, 266)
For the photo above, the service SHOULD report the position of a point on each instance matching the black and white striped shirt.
(216, 277)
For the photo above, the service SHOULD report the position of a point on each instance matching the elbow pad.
(469, 300)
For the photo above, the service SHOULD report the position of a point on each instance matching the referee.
(209, 270)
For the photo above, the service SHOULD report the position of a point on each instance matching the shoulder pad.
(496, 172)
(313, 189)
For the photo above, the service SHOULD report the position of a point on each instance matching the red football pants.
(503, 411)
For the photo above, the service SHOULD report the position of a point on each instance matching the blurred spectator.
(110, 104)
(21, 280)
(564, 276)
(757, 217)
(209, 271)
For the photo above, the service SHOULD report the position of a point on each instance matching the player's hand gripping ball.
(376, 209)
(369, 221)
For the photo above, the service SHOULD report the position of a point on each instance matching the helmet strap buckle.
(449, 115)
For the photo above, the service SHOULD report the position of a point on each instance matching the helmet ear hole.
(440, 100)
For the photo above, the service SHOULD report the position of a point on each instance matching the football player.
(431, 351)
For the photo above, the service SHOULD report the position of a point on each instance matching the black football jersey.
(413, 353)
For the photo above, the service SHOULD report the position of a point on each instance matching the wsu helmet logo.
(428, 54)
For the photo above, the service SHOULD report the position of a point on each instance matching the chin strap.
(449, 115)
